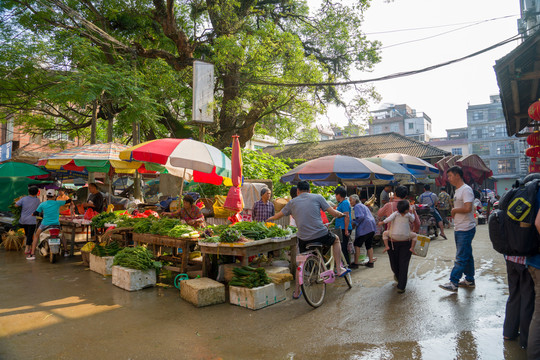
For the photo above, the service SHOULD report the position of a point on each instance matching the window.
(257, 147)
(457, 151)
(8, 131)
(506, 166)
(480, 149)
(55, 135)
(411, 126)
(377, 129)
(394, 127)
(478, 115)
(500, 131)
(505, 148)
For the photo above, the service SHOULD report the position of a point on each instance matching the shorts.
(29, 231)
(365, 239)
(436, 215)
(326, 240)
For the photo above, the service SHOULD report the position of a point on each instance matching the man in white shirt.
(465, 228)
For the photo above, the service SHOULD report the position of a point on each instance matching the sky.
(443, 94)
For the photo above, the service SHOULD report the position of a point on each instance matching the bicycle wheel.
(314, 288)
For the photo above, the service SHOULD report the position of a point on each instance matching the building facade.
(488, 139)
(402, 120)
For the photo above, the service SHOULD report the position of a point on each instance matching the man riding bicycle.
(305, 209)
(51, 217)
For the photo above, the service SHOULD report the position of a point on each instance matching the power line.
(440, 34)
(440, 26)
(387, 77)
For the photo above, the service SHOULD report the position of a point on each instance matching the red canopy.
(474, 169)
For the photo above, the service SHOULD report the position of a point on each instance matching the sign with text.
(5, 151)
(203, 92)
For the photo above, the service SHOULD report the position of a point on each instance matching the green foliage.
(58, 59)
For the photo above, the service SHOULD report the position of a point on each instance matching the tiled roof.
(359, 146)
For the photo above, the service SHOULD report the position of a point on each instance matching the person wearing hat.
(51, 216)
(264, 208)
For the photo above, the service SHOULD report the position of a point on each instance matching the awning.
(518, 75)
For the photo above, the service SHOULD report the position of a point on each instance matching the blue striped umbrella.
(335, 169)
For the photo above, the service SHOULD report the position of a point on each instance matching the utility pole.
(93, 135)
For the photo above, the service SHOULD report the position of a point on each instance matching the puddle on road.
(484, 344)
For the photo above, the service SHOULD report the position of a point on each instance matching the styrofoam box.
(132, 279)
(202, 292)
(101, 265)
(256, 298)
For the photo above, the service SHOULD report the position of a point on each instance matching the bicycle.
(313, 272)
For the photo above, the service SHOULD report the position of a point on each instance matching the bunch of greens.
(180, 230)
(252, 229)
(212, 239)
(143, 225)
(106, 249)
(139, 258)
(16, 211)
(249, 277)
(163, 226)
(100, 220)
(125, 221)
(230, 235)
(276, 231)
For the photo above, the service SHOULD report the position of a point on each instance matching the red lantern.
(534, 139)
(534, 111)
(533, 152)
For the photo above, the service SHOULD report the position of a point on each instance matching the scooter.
(428, 223)
(50, 244)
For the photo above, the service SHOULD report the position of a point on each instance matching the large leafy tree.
(131, 61)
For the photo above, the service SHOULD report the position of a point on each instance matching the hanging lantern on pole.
(534, 111)
(534, 139)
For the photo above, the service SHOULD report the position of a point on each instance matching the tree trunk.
(93, 135)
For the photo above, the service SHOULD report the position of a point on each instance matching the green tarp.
(13, 187)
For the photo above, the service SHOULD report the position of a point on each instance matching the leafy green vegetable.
(163, 226)
(180, 230)
(100, 220)
(139, 258)
(230, 235)
(106, 250)
(252, 229)
(142, 226)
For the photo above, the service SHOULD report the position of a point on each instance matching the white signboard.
(203, 92)
(5, 151)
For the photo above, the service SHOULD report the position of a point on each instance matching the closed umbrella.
(234, 197)
(335, 169)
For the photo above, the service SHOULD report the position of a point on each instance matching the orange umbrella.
(234, 198)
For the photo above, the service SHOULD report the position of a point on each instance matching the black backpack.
(511, 227)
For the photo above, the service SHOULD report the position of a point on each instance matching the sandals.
(344, 273)
(297, 297)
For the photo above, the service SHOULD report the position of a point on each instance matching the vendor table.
(174, 243)
(247, 250)
(73, 225)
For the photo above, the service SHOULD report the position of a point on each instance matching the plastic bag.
(350, 247)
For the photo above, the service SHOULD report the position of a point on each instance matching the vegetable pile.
(138, 258)
(100, 220)
(162, 226)
(249, 277)
(183, 231)
(105, 249)
(230, 235)
(252, 229)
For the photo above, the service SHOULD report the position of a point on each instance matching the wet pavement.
(65, 311)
